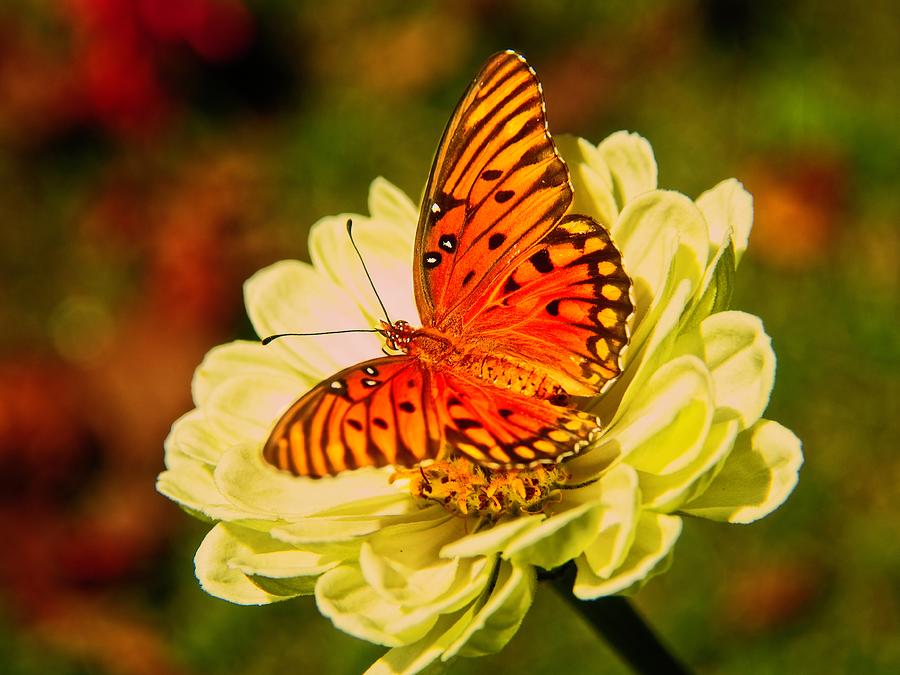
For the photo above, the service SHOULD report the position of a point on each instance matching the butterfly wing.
(501, 428)
(376, 413)
(399, 410)
(497, 187)
(496, 262)
(564, 306)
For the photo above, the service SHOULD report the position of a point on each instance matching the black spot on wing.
(338, 387)
(541, 261)
(431, 259)
(442, 203)
(511, 286)
(553, 307)
(502, 196)
(491, 174)
(496, 240)
(447, 242)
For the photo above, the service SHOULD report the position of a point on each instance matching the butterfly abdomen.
(435, 347)
(516, 377)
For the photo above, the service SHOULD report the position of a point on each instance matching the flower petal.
(216, 573)
(629, 157)
(389, 203)
(661, 235)
(650, 347)
(648, 244)
(654, 537)
(190, 489)
(386, 247)
(415, 657)
(490, 540)
(621, 497)
(193, 436)
(374, 515)
(245, 408)
(344, 596)
(401, 562)
(291, 296)
(728, 207)
(591, 180)
(287, 572)
(558, 538)
(250, 483)
(666, 492)
(665, 427)
(715, 290)
(757, 477)
(191, 484)
(587, 511)
(740, 359)
(500, 617)
(241, 358)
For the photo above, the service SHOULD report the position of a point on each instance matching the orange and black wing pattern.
(497, 187)
(500, 428)
(565, 308)
(377, 413)
(399, 411)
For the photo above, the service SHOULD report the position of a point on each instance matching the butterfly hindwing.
(376, 413)
(497, 186)
(398, 410)
(564, 307)
(498, 427)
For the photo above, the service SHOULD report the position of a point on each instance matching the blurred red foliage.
(800, 203)
(113, 70)
(80, 441)
(768, 597)
(121, 47)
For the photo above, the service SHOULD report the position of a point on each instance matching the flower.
(682, 432)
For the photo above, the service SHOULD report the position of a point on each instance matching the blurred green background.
(153, 154)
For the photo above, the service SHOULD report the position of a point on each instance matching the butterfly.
(522, 307)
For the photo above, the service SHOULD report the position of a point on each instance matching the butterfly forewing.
(497, 187)
(377, 413)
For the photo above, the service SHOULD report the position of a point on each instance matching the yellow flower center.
(465, 488)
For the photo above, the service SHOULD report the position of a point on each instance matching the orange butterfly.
(522, 306)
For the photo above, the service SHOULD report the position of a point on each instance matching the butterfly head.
(398, 335)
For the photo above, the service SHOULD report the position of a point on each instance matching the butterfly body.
(521, 306)
(474, 358)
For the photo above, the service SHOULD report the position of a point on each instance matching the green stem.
(622, 627)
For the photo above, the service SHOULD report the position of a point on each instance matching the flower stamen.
(465, 488)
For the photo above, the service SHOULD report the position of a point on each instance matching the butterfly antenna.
(366, 270)
(267, 340)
